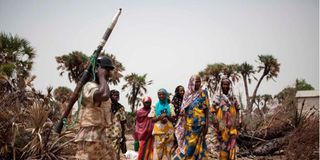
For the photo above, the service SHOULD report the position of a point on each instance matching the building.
(308, 101)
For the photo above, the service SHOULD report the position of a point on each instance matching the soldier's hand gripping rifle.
(86, 75)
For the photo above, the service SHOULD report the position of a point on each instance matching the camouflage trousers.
(94, 151)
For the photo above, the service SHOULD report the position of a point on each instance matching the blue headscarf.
(163, 105)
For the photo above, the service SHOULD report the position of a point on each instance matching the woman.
(163, 130)
(143, 130)
(226, 109)
(116, 132)
(193, 124)
(177, 101)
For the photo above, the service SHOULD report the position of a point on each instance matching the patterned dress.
(226, 109)
(114, 131)
(176, 101)
(163, 136)
(195, 147)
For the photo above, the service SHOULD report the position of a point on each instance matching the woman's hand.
(164, 120)
(163, 115)
(182, 113)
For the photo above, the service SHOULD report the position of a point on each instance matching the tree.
(270, 69)
(301, 85)
(76, 62)
(231, 72)
(246, 71)
(61, 94)
(257, 102)
(16, 59)
(212, 76)
(136, 85)
(266, 98)
(285, 93)
(291, 91)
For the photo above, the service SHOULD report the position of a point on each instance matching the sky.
(171, 40)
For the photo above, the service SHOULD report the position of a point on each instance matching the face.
(147, 104)
(109, 71)
(225, 84)
(197, 83)
(161, 96)
(181, 91)
(115, 97)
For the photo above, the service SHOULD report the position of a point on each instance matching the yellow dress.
(163, 136)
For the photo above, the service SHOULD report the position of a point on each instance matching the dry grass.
(304, 140)
(299, 134)
(26, 119)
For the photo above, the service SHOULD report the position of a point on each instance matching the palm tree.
(61, 94)
(136, 84)
(270, 67)
(118, 68)
(246, 71)
(231, 72)
(266, 99)
(16, 59)
(76, 62)
(257, 102)
(212, 76)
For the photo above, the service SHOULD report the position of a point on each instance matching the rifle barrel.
(86, 75)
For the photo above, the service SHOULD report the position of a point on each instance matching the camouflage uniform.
(114, 131)
(93, 120)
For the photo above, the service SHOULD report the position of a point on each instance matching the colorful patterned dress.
(226, 109)
(195, 147)
(176, 101)
(114, 131)
(163, 136)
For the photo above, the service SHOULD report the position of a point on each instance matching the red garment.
(144, 125)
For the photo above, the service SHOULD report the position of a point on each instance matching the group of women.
(176, 129)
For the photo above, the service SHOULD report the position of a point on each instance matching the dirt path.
(210, 139)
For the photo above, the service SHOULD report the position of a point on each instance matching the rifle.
(86, 75)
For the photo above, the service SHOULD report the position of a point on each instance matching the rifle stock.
(86, 75)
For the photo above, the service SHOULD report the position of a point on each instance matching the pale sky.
(171, 40)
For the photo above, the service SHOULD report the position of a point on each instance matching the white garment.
(131, 155)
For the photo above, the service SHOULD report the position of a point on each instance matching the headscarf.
(115, 106)
(146, 99)
(190, 94)
(219, 94)
(221, 99)
(176, 91)
(163, 104)
(177, 101)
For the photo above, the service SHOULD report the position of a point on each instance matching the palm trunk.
(255, 92)
(258, 106)
(135, 99)
(246, 90)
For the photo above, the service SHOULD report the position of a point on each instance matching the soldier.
(95, 107)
